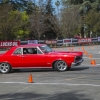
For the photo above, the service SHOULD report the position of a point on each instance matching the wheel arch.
(53, 63)
(6, 62)
(5, 67)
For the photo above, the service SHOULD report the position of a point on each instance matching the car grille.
(78, 58)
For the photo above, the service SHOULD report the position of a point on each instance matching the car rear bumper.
(77, 63)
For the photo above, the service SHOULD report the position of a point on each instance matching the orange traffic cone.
(30, 80)
(85, 52)
(72, 48)
(92, 46)
(90, 56)
(78, 48)
(93, 62)
(82, 47)
(68, 48)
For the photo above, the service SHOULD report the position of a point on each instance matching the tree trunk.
(82, 32)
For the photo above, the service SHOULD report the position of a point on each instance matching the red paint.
(44, 60)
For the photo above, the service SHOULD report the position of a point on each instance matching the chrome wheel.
(61, 66)
(5, 68)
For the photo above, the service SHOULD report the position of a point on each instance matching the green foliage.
(16, 4)
(24, 16)
(72, 2)
(92, 20)
(70, 21)
(15, 22)
(20, 30)
(90, 11)
(11, 22)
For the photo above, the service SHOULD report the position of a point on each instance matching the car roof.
(23, 46)
(31, 45)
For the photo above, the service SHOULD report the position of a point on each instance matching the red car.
(38, 56)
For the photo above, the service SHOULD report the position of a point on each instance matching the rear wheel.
(5, 68)
(61, 65)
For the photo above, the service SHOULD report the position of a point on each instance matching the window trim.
(40, 50)
(16, 49)
(32, 47)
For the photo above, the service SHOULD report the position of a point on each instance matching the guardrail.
(70, 41)
(54, 43)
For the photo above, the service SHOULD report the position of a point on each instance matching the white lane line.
(97, 64)
(91, 58)
(85, 57)
(69, 84)
(90, 65)
(76, 78)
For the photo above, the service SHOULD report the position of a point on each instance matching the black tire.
(60, 66)
(68, 68)
(5, 68)
(16, 70)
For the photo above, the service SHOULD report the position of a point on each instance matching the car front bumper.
(77, 63)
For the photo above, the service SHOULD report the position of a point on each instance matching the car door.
(15, 59)
(31, 58)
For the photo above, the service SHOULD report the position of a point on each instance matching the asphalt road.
(79, 83)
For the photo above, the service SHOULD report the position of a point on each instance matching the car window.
(18, 51)
(29, 50)
(38, 51)
(45, 48)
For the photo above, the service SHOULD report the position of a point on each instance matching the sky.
(53, 1)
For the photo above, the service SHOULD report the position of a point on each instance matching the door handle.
(23, 56)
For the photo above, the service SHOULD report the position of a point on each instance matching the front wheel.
(5, 68)
(61, 66)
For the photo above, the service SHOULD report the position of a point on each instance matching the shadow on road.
(79, 68)
(48, 70)
(34, 70)
(34, 96)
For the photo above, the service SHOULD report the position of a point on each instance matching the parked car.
(38, 56)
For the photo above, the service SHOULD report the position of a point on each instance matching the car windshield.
(45, 48)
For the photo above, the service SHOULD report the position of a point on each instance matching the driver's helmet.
(30, 50)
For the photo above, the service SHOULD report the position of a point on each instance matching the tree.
(92, 21)
(70, 21)
(16, 4)
(42, 21)
(72, 2)
(57, 3)
(11, 22)
(84, 7)
(31, 7)
(37, 25)
(51, 32)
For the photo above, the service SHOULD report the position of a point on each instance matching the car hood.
(1, 54)
(74, 53)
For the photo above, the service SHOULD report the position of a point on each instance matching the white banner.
(32, 41)
(99, 39)
(85, 40)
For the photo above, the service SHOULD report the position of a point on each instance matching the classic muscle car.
(38, 56)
